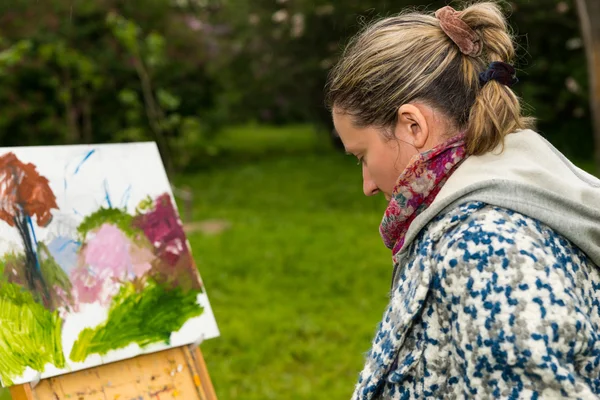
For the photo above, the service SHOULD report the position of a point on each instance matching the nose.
(369, 186)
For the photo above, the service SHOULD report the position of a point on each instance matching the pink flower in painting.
(63, 296)
(109, 249)
(107, 259)
(87, 288)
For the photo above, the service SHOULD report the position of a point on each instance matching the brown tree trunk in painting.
(33, 273)
(589, 15)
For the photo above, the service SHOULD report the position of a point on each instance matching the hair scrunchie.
(467, 40)
(500, 72)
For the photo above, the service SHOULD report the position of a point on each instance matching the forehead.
(350, 135)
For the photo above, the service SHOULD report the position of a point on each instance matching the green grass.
(260, 140)
(299, 282)
(251, 143)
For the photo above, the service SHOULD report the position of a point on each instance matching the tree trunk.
(71, 114)
(589, 15)
(155, 115)
(88, 136)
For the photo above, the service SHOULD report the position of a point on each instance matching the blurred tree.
(589, 15)
(63, 65)
(146, 54)
(552, 72)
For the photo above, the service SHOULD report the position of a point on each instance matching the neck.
(417, 187)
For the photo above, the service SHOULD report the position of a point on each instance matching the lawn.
(299, 280)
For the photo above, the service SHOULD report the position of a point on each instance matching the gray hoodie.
(531, 177)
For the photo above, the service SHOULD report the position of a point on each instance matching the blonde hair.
(409, 57)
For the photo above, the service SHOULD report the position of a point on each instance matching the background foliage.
(177, 72)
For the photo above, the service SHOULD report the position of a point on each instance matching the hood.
(529, 176)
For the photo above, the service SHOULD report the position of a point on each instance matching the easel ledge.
(178, 373)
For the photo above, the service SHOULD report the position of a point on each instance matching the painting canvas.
(94, 263)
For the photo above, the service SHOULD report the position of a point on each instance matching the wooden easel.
(179, 373)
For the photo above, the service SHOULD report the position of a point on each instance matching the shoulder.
(516, 297)
(477, 226)
(477, 244)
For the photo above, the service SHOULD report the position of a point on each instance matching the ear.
(412, 126)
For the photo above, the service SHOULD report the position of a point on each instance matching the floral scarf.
(417, 187)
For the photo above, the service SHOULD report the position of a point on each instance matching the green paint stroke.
(52, 272)
(114, 216)
(30, 335)
(143, 317)
(55, 277)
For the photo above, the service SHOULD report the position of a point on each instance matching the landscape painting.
(94, 263)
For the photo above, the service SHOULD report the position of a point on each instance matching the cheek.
(385, 169)
(393, 171)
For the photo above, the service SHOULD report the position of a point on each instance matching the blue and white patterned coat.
(488, 303)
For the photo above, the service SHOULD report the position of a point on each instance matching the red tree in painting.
(24, 194)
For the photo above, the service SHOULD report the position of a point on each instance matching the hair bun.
(465, 38)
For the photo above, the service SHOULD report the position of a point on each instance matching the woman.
(495, 235)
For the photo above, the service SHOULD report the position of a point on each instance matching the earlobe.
(412, 125)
